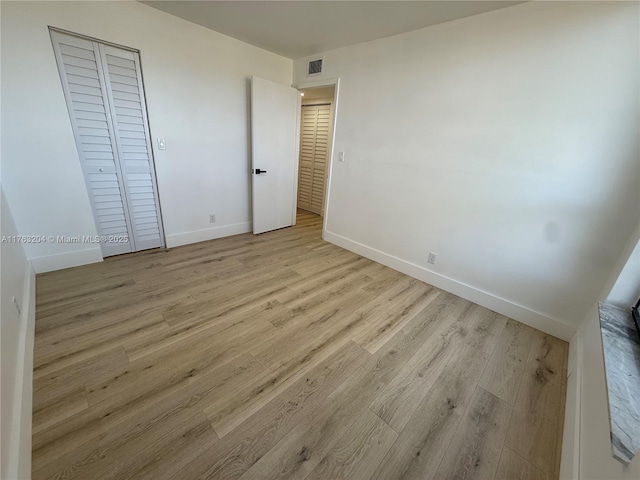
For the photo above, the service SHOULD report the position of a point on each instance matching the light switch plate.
(162, 145)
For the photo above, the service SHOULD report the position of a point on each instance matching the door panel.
(274, 133)
(314, 144)
(93, 131)
(104, 91)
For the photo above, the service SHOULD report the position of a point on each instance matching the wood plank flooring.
(283, 356)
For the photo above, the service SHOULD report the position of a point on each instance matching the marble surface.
(622, 365)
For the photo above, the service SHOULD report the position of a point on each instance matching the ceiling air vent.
(315, 67)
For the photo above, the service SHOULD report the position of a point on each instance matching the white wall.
(197, 89)
(626, 291)
(16, 280)
(506, 142)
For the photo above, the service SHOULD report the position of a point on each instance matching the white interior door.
(105, 97)
(274, 133)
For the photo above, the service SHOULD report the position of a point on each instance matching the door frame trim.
(92, 39)
(326, 82)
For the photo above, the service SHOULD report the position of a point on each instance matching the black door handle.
(258, 171)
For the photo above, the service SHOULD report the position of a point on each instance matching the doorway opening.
(316, 136)
(282, 142)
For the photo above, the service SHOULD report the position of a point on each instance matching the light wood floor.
(282, 356)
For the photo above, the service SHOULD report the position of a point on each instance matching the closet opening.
(316, 132)
(103, 87)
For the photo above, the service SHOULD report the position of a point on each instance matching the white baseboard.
(552, 326)
(196, 236)
(20, 458)
(76, 258)
(570, 459)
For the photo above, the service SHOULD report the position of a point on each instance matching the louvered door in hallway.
(103, 88)
(314, 146)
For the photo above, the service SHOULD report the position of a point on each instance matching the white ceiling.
(296, 29)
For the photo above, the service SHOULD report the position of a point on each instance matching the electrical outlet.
(15, 303)
(212, 218)
(432, 257)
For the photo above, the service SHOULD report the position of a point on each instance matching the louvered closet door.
(126, 95)
(314, 148)
(84, 88)
(320, 156)
(105, 97)
(307, 148)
